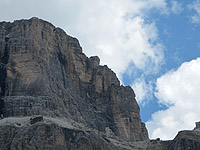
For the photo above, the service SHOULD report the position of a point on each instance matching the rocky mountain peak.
(44, 72)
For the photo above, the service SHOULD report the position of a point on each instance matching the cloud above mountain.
(179, 90)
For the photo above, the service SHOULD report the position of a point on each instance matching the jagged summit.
(52, 96)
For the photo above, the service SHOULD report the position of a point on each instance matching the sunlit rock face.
(43, 71)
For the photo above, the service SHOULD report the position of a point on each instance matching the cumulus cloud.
(179, 90)
(195, 6)
(143, 90)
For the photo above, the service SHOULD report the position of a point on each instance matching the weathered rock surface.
(43, 71)
(36, 119)
(48, 135)
(187, 140)
(58, 134)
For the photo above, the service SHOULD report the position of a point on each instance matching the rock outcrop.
(50, 134)
(187, 140)
(43, 71)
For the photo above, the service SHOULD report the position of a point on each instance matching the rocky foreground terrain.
(53, 97)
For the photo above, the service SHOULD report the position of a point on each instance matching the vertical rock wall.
(43, 71)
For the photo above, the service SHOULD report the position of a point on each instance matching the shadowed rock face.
(50, 137)
(188, 140)
(44, 72)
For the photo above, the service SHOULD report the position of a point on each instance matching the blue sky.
(152, 45)
(181, 41)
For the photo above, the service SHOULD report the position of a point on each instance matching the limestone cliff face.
(43, 71)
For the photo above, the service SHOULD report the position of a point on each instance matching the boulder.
(36, 119)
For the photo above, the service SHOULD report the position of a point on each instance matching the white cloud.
(143, 90)
(179, 90)
(195, 6)
(115, 30)
(176, 7)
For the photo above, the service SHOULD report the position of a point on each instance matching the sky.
(152, 45)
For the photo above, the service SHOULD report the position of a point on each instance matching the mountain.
(52, 96)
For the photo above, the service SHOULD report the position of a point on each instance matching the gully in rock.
(1, 108)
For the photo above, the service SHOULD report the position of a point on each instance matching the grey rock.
(36, 119)
(44, 72)
(94, 60)
(197, 126)
(50, 136)
(1, 107)
(187, 140)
